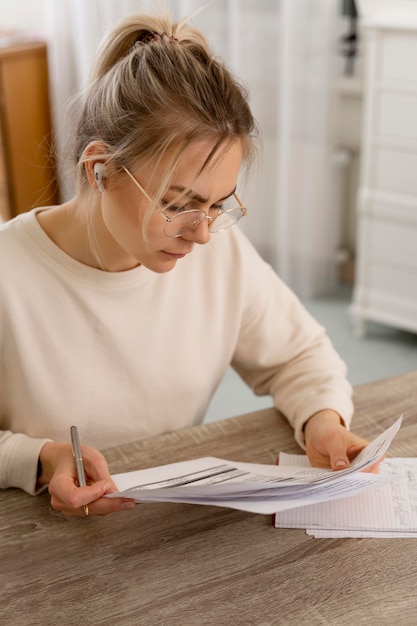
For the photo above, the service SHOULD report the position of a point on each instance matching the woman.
(120, 312)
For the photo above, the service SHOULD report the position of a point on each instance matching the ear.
(95, 157)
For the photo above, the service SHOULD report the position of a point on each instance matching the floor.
(382, 353)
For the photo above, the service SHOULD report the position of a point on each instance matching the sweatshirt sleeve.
(283, 351)
(19, 456)
(19, 453)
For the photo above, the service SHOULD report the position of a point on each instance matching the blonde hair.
(155, 89)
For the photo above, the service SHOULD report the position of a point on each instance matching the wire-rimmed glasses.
(179, 219)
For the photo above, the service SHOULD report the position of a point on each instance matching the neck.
(77, 227)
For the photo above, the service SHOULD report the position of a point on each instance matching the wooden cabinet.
(386, 278)
(27, 171)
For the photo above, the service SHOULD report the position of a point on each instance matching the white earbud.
(100, 172)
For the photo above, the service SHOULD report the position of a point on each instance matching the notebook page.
(358, 534)
(391, 507)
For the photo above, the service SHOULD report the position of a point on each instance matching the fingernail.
(128, 505)
(340, 464)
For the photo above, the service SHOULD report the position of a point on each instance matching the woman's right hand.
(58, 469)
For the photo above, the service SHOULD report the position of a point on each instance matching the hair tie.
(151, 36)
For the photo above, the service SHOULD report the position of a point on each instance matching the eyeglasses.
(180, 219)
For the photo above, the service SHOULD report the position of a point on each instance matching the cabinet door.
(5, 209)
(27, 129)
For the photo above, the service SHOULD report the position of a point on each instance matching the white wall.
(22, 14)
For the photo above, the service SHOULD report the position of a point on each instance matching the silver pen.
(76, 449)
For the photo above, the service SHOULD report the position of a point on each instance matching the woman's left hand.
(329, 444)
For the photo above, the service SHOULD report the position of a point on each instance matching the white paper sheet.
(358, 534)
(252, 487)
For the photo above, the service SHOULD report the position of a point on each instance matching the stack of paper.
(253, 487)
(389, 510)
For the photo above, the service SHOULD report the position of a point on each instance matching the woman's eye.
(216, 209)
(173, 208)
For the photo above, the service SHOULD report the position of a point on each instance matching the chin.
(161, 268)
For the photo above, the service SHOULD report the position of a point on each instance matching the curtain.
(285, 53)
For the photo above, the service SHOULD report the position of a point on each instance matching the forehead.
(196, 166)
(209, 175)
(207, 156)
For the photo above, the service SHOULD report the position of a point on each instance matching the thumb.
(90, 493)
(338, 458)
(339, 462)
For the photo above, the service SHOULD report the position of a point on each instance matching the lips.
(177, 255)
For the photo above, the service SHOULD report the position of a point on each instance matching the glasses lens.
(226, 220)
(189, 220)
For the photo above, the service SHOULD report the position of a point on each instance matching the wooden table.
(177, 564)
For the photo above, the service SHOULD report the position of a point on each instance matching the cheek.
(121, 221)
(153, 228)
(119, 207)
(131, 225)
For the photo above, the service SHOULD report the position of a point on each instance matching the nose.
(200, 234)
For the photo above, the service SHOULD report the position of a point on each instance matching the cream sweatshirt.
(132, 354)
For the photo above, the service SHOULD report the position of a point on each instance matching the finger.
(374, 469)
(95, 465)
(371, 469)
(66, 495)
(339, 463)
(77, 498)
(339, 459)
(343, 448)
(104, 506)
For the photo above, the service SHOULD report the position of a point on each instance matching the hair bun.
(137, 31)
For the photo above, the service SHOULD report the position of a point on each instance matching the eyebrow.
(193, 195)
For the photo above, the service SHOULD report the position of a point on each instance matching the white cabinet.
(386, 268)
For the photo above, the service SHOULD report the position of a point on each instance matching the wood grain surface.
(177, 564)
